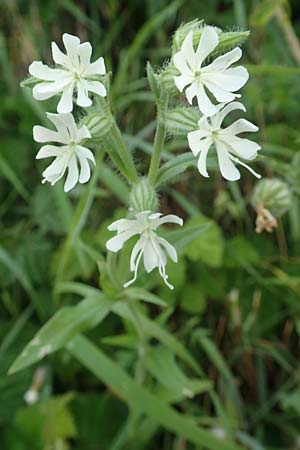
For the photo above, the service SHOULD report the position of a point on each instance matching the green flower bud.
(180, 121)
(100, 122)
(227, 39)
(143, 197)
(272, 194)
(182, 32)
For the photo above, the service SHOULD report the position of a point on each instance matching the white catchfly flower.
(68, 154)
(221, 80)
(150, 246)
(75, 72)
(226, 142)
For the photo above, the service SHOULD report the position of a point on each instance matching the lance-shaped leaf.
(161, 364)
(63, 326)
(141, 399)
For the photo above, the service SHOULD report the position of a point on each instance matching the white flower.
(226, 142)
(150, 245)
(66, 155)
(220, 80)
(74, 73)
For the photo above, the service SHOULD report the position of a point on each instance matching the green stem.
(159, 139)
(121, 155)
(124, 154)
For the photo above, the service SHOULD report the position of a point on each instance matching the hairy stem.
(159, 140)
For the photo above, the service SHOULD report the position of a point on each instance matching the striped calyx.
(143, 197)
(272, 194)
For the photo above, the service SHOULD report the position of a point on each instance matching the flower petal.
(195, 138)
(82, 94)
(227, 168)
(208, 42)
(72, 177)
(151, 255)
(224, 61)
(205, 146)
(169, 218)
(71, 44)
(39, 70)
(65, 125)
(84, 54)
(170, 249)
(218, 118)
(241, 126)
(244, 148)
(56, 169)
(85, 171)
(96, 87)
(96, 68)
(205, 105)
(42, 134)
(58, 56)
(116, 243)
(230, 79)
(48, 151)
(84, 152)
(65, 104)
(181, 81)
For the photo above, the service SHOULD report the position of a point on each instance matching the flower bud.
(180, 121)
(227, 39)
(271, 198)
(143, 197)
(272, 194)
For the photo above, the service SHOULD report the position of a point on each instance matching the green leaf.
(135, 293)
(209, 245)
(185, 237)
(156, 331)
(7, 172)
(140, 399)
(63, 326)
(161, 364)
(176, 166)
(46, 421)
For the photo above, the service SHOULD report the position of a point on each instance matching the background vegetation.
(225, 349)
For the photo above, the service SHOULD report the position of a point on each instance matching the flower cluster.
(73, 73)
(222, 82)
(201, 76)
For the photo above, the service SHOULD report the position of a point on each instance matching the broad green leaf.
(46, 421)
(140, 399)
(188, 234)
(63, 326)
(192, 298)
(209, 245)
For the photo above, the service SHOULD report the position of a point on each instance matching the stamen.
(257, 175)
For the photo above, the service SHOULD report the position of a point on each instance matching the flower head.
(225, 140)
(75, 72)
(150, 246)
(217, 77)
(66, 155)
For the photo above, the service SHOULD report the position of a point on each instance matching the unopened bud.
(143, 197)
